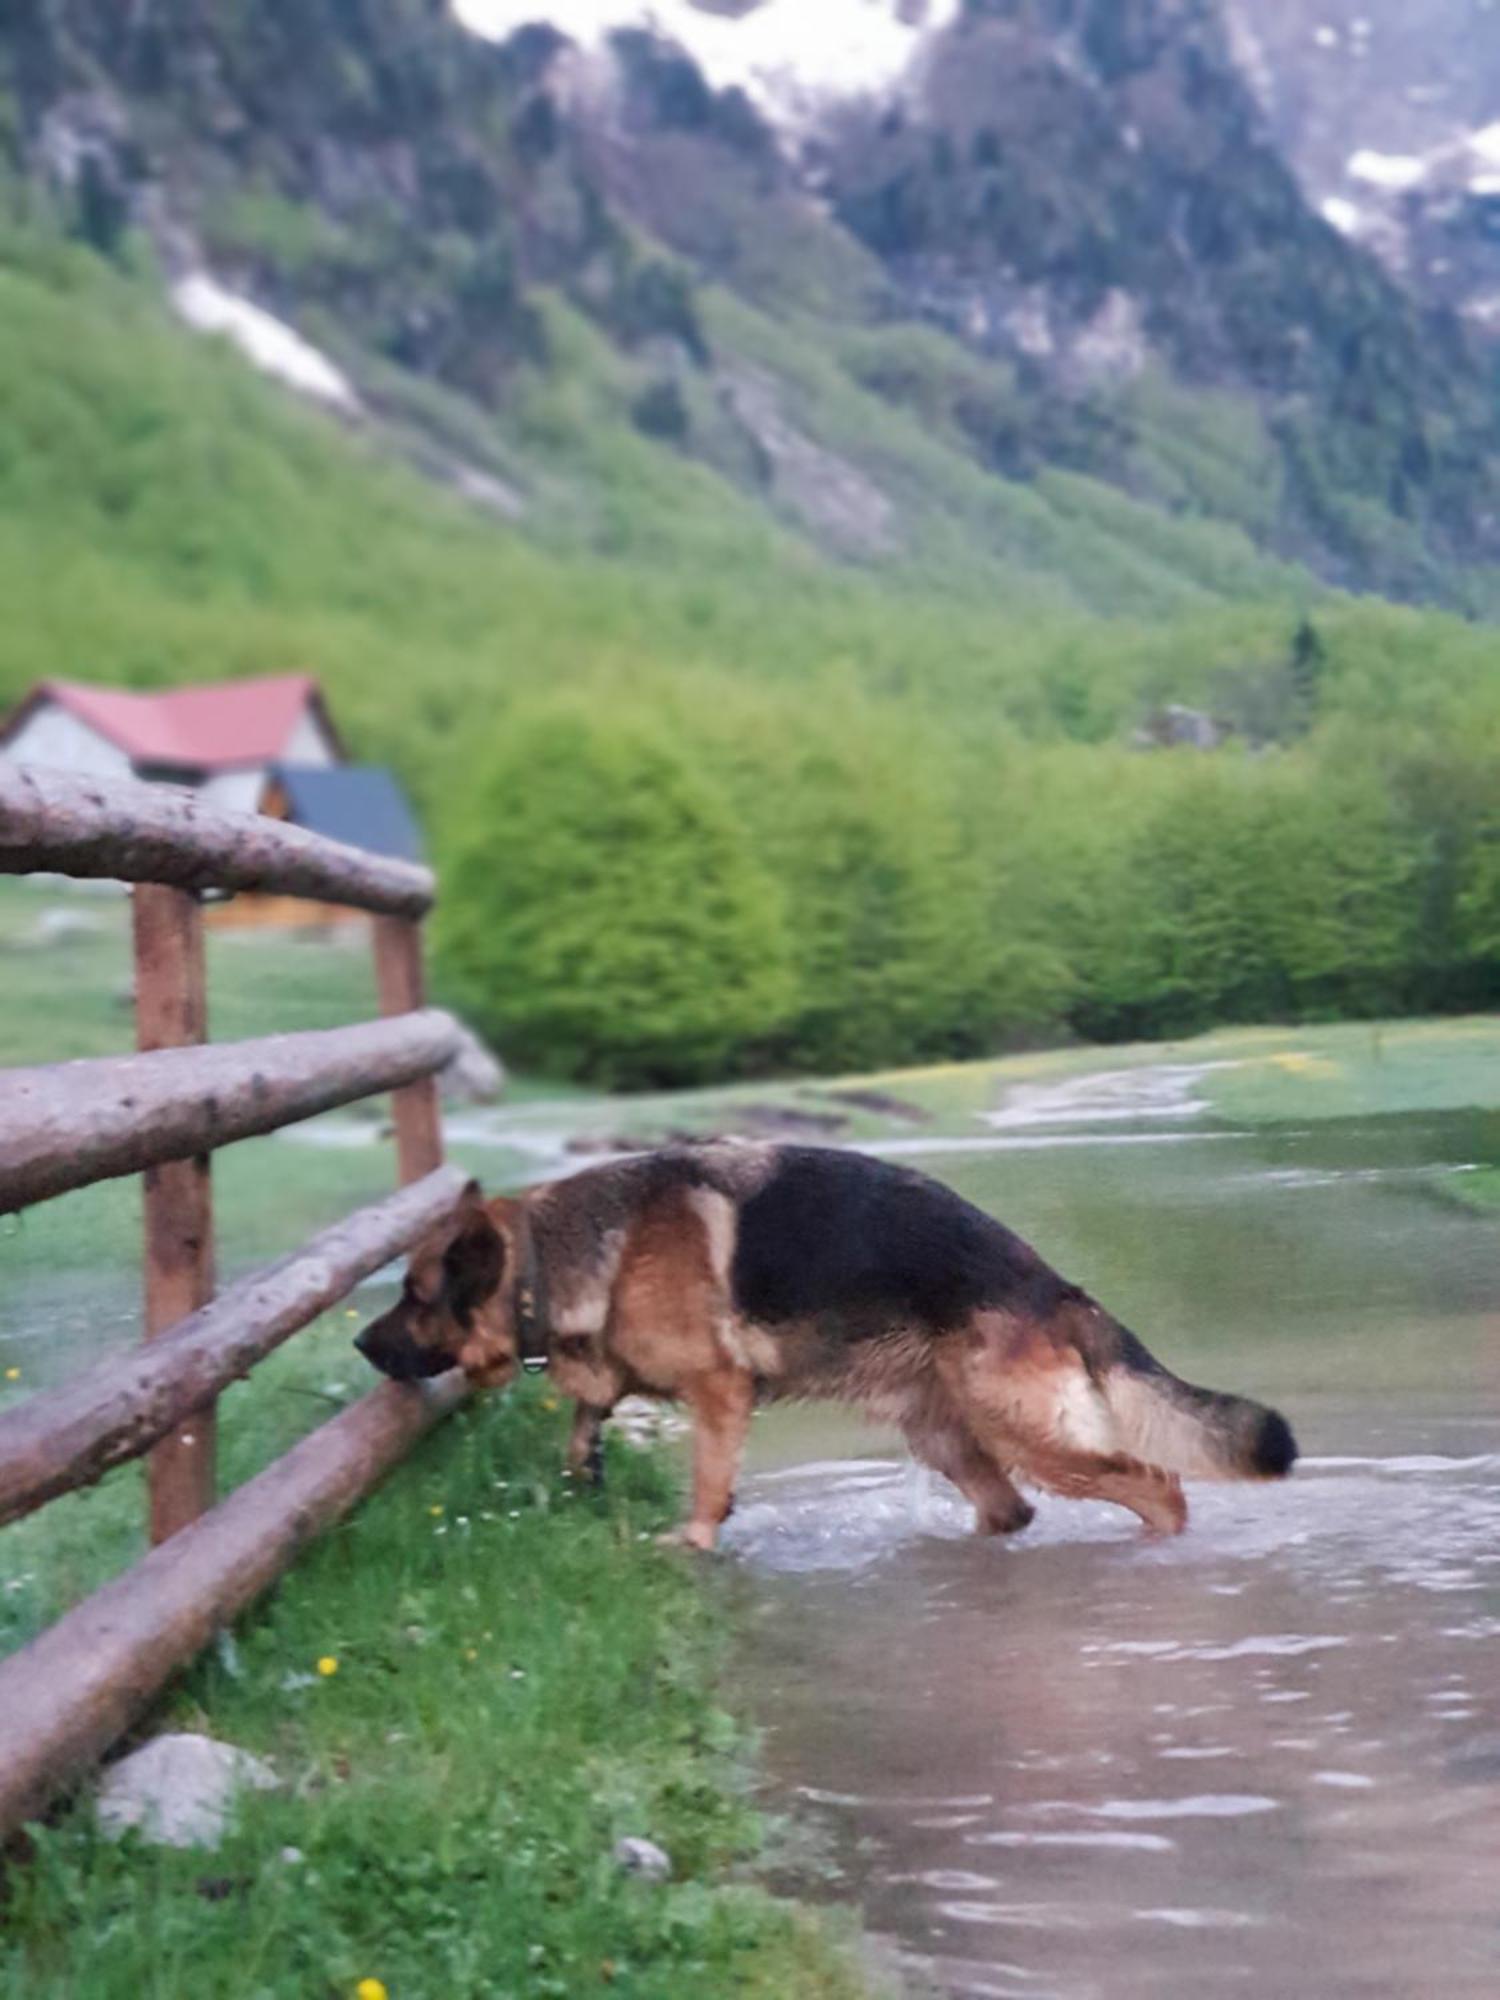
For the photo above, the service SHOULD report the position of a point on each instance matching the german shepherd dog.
(723, 1275)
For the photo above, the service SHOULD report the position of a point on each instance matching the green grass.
(1255, 1076)
(71, 995)
(522, 1679)
(1478, 1189)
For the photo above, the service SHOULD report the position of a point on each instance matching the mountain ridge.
(1054, 246)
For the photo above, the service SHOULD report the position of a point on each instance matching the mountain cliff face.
(1000, 287)
(1390, 114)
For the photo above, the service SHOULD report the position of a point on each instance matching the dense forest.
(704, 807)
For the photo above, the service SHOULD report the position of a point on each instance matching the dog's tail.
(1197, 1433)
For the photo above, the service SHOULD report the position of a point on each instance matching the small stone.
(178, 1790)
(644, 1858)
(474, 1076)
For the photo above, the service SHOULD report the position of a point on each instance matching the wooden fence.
(162, 1112)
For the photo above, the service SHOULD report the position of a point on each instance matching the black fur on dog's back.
(834, 1234)
(864, 1252)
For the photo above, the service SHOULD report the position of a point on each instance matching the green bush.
(604, 916)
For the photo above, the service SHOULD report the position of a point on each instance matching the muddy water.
(1262, 1759)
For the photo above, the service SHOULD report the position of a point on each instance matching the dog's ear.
(474, 1261)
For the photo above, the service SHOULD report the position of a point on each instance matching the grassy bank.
(521, 1678)
(1238, 1076)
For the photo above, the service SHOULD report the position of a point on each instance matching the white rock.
(643, 1858)
(179, 1790)
(55, 926)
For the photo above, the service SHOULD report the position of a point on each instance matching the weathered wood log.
(171, 1011)
(401, 986)
(70, 1693)
(69, 1124)
(67, 1437)
(115, 830)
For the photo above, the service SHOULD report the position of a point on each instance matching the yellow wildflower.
(371, 1989)
(328, 1665)
(12, 1374)
(434, 1512)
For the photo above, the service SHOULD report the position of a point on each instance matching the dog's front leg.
(722, 1405)
(586, 1443)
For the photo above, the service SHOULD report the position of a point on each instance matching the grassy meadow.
(470, 1691)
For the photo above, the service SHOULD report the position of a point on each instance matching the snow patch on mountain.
(1394, 172)
(273, 346)
(1344, 216)
(789, 56)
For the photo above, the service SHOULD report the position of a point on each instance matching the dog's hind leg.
(1155, 1496)
(1036, 1409)
(949, 1447)
(722, 1405)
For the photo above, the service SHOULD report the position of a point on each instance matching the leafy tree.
(603, 917)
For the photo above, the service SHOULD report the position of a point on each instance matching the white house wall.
(236, 791)
(59, 741)
(309, 742)
(55, 738)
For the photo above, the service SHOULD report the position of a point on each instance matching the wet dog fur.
(720, 1276)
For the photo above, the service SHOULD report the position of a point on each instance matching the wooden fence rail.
(67, 1437)
(69, 1694)
(67, 1124)
(163, 1112)
(92, 828)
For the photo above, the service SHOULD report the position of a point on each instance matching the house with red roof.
(222, 739)
(264, 745)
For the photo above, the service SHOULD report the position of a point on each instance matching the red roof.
(200, 728)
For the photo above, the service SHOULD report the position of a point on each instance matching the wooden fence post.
(401, 986)
(172, 1012)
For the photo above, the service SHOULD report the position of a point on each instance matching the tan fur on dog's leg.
(722, 1405)
(1033, 1406)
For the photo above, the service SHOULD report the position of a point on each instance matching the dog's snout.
(390, 1348)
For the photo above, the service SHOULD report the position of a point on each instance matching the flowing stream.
(1264, 1758)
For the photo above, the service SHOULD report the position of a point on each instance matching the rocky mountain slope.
(1013, 295)
(1390, 114)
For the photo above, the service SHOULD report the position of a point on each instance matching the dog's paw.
(1012, 1519)
(695, 1535)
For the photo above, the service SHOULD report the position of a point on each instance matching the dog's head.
(456, 1308)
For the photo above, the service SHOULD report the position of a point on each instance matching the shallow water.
(1262, 1758)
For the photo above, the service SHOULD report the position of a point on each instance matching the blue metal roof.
(358, 803)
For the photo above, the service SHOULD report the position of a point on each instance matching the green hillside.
(940, 837)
